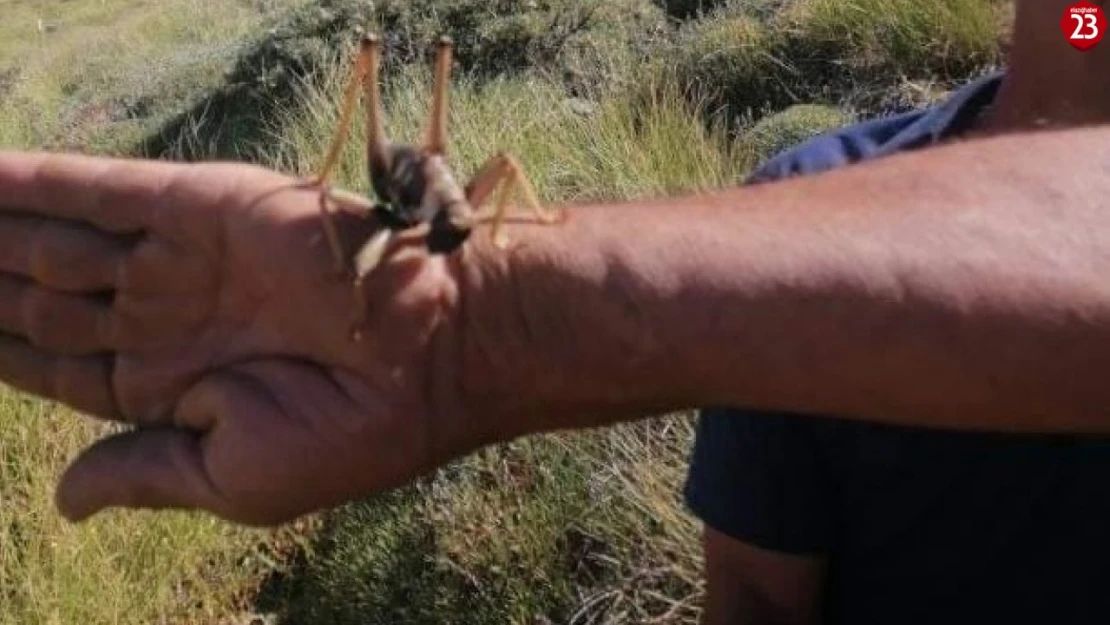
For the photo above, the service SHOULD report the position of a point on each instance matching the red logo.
(1084, 24)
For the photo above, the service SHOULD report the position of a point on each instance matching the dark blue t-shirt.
(918, 526)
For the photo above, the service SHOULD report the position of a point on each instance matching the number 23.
(1091, 21)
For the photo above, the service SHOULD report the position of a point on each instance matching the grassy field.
(98, 76)
(600, 100)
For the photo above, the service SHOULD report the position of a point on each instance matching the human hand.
(199, 303)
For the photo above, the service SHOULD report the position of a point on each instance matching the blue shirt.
(918, 526)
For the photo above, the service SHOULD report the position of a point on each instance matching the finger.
(117, 195)
(255, 453)
(58, 322)
(62, 255)
(280, 440)
(83, 383)
(152, 469)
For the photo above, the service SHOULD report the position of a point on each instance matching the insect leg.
(363, 60)
(505, 171)
(377, 141)
(366, 260)
(483, 183)
(437, 127)
(545, 215)
(500, 239)
(346, 200)
(334, 244)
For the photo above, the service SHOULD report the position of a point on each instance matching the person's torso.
(947, 527)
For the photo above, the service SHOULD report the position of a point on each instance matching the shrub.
(685, 9)
(941, 38)
(728, 63)
(790, 127)
(751, 56)
(588, 42)
(856, 51)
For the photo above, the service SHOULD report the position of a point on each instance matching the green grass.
(582, 528)
(118, 568)
(600, 101)
(754, 57)
(774, 133)
(905, 36)
(97, 76)
(621, 147)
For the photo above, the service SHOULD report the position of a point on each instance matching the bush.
(685, 9)
(857, 52)
(751, 56)
(790, 127)
(728, 63)
(940, 38)
(744, 58)
(588, 43)
(590, 47)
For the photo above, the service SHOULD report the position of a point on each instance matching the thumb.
(152, 469)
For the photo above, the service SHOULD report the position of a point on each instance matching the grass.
(757, 57)
(571, 528)
(946, 37)
(95, 76)
(600, 101)
(777, 132)
(118, 568)
(619, 148)
(99, 75)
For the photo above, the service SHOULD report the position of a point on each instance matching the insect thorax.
(416, 186)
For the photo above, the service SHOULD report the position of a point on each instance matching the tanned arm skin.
(964, 287)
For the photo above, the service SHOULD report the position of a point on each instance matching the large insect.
(414, 185)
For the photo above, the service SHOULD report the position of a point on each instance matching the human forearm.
(963, 286)
(921, 289)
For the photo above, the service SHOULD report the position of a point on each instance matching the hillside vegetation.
(99, 76)
(600, 100)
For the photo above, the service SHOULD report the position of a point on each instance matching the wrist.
(924, 301)
(560, 330)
